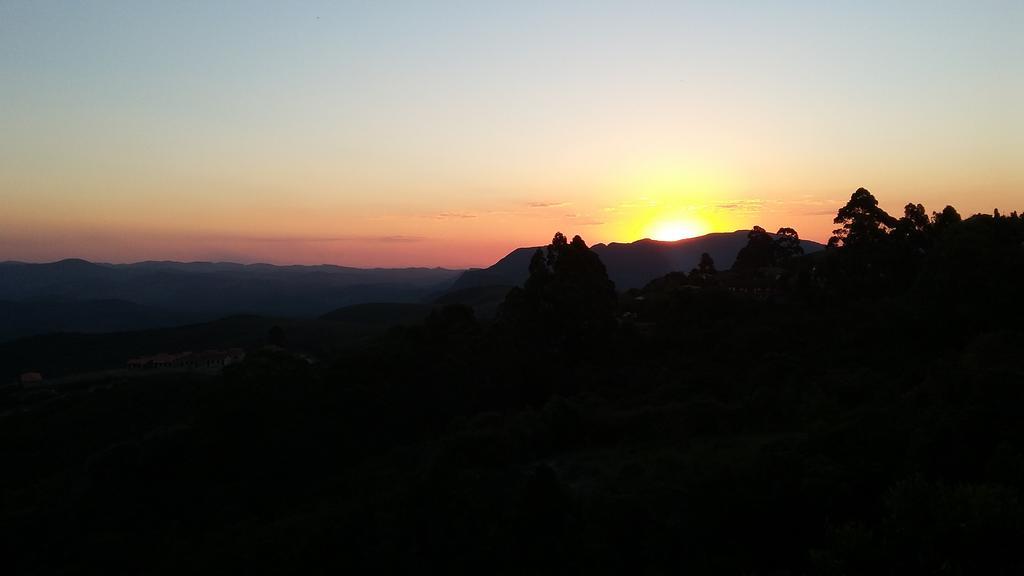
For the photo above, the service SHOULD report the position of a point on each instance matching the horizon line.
(335, 265)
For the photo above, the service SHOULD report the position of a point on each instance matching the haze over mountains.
(79, 296)
(75, 295)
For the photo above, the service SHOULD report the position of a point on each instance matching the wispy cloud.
(454, 215)
(583, 219)
(398, 239)
(326, 239)
(547, 204)
(752, 205)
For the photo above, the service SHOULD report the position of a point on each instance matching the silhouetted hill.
(380, 313)
(484, 300)
(69, 353)
(509, 271)
(41, 317)
(629, 265)
(197, 291)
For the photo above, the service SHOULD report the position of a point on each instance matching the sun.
(674, 230)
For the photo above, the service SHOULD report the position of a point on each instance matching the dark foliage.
(857, 412)
(758, 253)
(864, 223)
(763, 251)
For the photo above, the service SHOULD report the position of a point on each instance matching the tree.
(705, 270)
(563, 316)
(915, 216)
(763, 251)
(786, 245)
(914, 222)
(864, 256)
(539, 273)
(943, 220)
(914, 229)
(706, 265)
(567, 292)
(758, 253)
(863, 222)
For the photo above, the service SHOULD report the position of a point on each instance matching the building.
(30, 378)
(206, 359)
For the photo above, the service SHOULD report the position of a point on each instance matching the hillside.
(76, 295)
(484, 300)
(61, 354)
(863, 420)
(41, 317)
(630, 265)
(380, 313)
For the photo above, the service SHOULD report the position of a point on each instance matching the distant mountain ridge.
(64, 295)
(81, 296)
(210, 266)
(630, 265)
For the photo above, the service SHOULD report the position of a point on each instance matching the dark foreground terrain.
(852, 411)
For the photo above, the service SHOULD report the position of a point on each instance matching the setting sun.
(674, 230)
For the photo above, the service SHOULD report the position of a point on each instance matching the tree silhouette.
(914, 228)
(863, 222)
(706, 266)
(943, 220)
(567, 292)
(562, 316)
(705, 271)
(786, 245)
(539, 272)
(762, 250)
(868, 423)
(758, 253)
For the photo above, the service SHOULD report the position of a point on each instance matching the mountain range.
(630, 265)
(79, 296)
(76, 295)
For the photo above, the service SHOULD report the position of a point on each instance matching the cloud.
(397, 238)
(547, 204)
(754, 205)
(454, 215)
(583, 220)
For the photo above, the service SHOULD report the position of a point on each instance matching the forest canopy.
(850, 411)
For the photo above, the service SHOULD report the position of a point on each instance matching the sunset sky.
(382, 133)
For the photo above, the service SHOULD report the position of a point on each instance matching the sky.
(383, 133)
